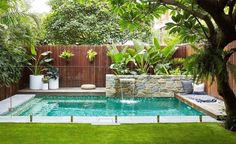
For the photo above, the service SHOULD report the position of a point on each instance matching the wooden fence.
(79, 70)
(5, 92)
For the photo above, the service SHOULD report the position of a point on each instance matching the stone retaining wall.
(144, 85)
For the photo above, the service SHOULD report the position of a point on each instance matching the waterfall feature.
(127, 90)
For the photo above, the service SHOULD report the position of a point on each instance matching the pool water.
(103, 106)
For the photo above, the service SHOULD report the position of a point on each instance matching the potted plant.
(91, 54)
(53, 75)
(45, 81)
(37, 66)
(66, 55)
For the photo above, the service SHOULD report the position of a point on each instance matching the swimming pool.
(103, 106)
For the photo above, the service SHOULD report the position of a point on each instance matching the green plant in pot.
(91, 54)
(45, 81)
(66, 55)
(37, 65)
(53, 74)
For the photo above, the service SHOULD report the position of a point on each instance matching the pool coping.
(204, 107)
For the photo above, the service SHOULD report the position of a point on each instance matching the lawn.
(191, 133)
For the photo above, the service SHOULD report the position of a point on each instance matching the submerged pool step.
(77, 101)
(99, 91)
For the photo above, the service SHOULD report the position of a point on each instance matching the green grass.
(190, 133)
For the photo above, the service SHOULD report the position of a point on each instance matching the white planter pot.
(54, 83)
(36, 82)
(45, 86)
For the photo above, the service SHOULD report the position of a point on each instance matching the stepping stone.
(88, 86)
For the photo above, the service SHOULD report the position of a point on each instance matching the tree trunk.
(229, 98)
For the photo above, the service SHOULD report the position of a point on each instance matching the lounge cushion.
(88, 86)
(187, 86)
(198, 89)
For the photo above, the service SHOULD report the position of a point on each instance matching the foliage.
(186, 26)
(154, 57)
(12, 62)
(45, 79)
(66, 55)
(136, 14)
(91, 54)
(145, 58)
(73, 22)
(53, 72)
(120, 60)
(18, 31)
(207, 64)
(39, 62)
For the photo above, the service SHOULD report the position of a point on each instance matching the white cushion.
(88, 86)
(198, 87)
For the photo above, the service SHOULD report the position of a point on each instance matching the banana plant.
(162, 58)
(38, 62)
(139, 57)
(154, 57)
(120, 60)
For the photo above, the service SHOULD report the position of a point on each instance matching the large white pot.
(36, 82)
(54, 83)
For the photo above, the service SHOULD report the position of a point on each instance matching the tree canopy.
(73, 22)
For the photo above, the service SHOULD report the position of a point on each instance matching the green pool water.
(103, 106)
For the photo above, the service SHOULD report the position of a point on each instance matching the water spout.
(128, 83)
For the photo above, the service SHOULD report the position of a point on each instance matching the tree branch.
(202, 27)
(224, 22)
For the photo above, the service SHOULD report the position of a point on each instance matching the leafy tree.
(208, 21)
(73, 22)
(17, 32)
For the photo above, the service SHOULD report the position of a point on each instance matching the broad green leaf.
(156, 43)
(33, 51)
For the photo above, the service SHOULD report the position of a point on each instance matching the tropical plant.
(120, 60)
(17, 33)
(73, 22)
(145, 58)
(12, 62)
(39, 62)
(139, 56)
(208, 21)
(154, 57)
(91, 54)
(53, 72)
(45, 79)
(66, 55)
